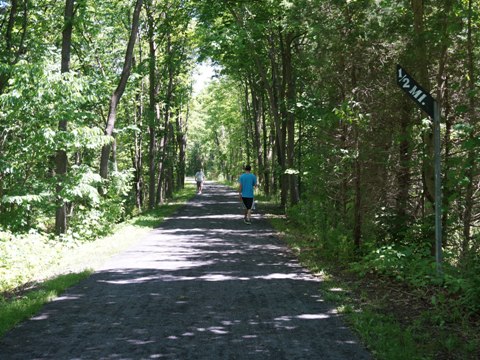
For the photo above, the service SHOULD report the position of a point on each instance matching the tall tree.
(428, 174)
(61, 157)
(117, 94)
(471, 163)
(151, 113)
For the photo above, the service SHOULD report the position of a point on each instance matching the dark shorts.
(248, 202)
(199, 183)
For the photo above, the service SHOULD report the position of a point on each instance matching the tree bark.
(447, 187)
(14, 56)
(166, 114)
(290, 100)
(182, 147)
(471, 166)
(169, 181)
(10, 25)
(138, 142)
(266, 149)
(357, 209)
(257, 113)
(138, 155)
(117, 94)
(442, 89)
(404, 170)
(61, 160)
(152, 143)
(247, 126)
(428, 174)
(276, 91)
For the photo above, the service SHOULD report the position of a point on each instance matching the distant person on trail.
(199, 178)
(247, 184)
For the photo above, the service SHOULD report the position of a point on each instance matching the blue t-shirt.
(248, 181)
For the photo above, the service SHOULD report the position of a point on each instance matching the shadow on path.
(204, 285)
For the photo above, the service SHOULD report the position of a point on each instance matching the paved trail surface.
(202, 286)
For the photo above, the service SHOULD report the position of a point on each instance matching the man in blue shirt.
(248, 182)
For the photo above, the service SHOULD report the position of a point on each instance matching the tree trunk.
(403, 173)
(170, 183)
(14, 57)
(428, 170)
(138, 142)
(166, 113)
(471, 167)
(266, 150)
(247, 129)
(278, 92)
(428, 174)
(290, 100)
(182, 147)
(272, 89)
(117, 94)
(11, 23)
(61, 159)
(138, 155)
(442, 81)
(159, 197)
(357, 209)
(447, 187)
(273, 156)
(152, 143)
(257, 108)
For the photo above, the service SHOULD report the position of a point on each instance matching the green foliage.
(36, 100)
(412, 264)
(415, 266)
(385, 336)
(217, 140)
(359, 148)
(97, 215)
(330, 240)
(444, 329)
(23, 257)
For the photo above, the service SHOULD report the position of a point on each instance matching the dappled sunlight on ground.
(203, 285)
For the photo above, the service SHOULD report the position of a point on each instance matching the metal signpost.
(428, 104)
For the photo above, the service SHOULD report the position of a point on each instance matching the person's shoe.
(247, 221)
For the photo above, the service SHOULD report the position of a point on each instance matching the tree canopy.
(98, 120)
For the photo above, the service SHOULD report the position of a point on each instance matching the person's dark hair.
(248, 167)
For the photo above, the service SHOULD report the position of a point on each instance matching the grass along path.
(396, 321)
(42, 270)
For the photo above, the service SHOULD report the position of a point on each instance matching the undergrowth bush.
(25, 256)
(332, 240)
(405, 255)
(415, 266)
(412, 264)
(96, 215)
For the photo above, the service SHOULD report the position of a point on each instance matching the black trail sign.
(415, 91)
(432, 108)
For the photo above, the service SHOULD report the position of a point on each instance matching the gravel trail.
(203, 285)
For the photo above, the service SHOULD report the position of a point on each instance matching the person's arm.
(240, 190)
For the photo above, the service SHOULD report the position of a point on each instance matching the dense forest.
(99, 122)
